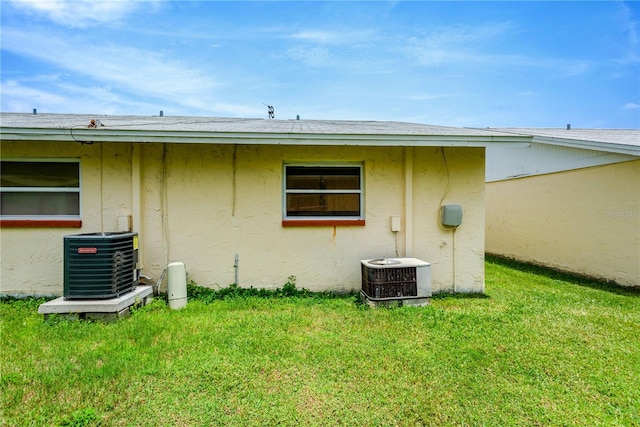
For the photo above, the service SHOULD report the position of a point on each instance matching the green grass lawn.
(536, 349)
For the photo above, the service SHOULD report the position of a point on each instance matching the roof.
(621, 141)
(176, 129)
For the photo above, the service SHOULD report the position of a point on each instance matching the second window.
(318, 191)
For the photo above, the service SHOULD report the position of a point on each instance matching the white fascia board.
(608, 147)
(181, 137)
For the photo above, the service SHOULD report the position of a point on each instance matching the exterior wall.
(539, 159)
(450, 176)
(206, 204)
(586, 221)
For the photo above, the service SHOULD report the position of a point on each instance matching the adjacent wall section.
(31, 258)
(586, 221)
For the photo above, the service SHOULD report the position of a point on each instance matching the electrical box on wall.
(395, 224)
(124, 223)
(451, 215)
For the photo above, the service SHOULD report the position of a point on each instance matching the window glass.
(40, 174)
(323, 204)
(323, 191)
(39, 189)
(39, 203)
(323, 178)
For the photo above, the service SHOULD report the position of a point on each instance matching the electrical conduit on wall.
(164, 205)
(408, 201)
(102, 187)
(453, 230)
(234, 161)
(136, 199)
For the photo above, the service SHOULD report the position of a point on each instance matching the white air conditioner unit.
(396, 279)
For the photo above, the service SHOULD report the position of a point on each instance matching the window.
(33, 190)
(330, 195)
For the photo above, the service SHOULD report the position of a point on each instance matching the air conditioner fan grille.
(396, 282)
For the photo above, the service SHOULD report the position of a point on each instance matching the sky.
(464, 64)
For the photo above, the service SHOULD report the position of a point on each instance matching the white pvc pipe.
(177, 285)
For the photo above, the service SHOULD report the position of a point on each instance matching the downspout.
(408, 201)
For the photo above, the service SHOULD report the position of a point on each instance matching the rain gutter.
(88, 136)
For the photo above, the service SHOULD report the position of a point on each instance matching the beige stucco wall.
(31, 258)
(205, 204)
(457, 177)
(586, 221)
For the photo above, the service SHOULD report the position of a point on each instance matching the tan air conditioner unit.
(396, 279)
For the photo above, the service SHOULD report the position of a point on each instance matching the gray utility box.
(451, 215)
(100, 265)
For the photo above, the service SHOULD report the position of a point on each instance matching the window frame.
(44, 220)
(321, 220)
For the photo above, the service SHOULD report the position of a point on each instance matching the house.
(571, 201)
(246, 201)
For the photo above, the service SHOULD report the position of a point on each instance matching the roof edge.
(576, 141)
(83, 135)
(609, 147)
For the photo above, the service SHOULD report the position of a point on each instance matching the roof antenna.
(270, 111)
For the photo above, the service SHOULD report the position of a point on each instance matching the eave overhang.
(633, 150)
(88, 136)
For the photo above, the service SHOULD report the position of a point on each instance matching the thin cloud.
(136, 71)
(69, 98)
(311, 55)
(452, 45)
(239, 110)
(339, 49)
(630, 25)
(20, 94)
(440, 57)
(631, 106)
(466, 34)
(429, 97)
(333, 37)
(81, 13)
(476, 46)
(317, 36)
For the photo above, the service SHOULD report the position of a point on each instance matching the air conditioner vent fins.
(402, 279)
(100, 265)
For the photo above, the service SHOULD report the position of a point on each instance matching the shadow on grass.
(459, 295)
(565, 276)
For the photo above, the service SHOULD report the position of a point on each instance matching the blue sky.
(475, 64)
